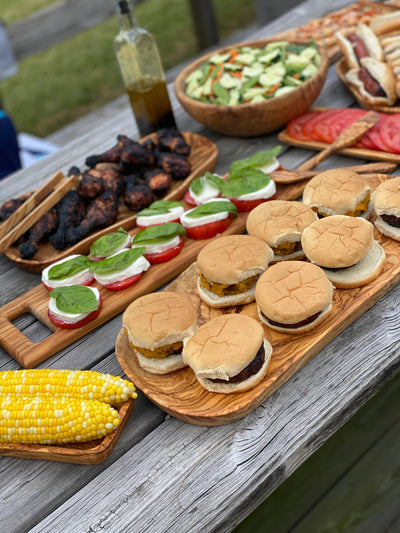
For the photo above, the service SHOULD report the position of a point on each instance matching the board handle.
(13, 340)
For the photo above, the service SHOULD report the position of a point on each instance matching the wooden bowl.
(249, 120)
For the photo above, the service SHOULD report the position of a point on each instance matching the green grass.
(81, 74)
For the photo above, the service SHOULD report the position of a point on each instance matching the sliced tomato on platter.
(206, 231)
(164, 256)
(74, 325)
(321, 126)
(123, 284)
(245, 206)
(189, 199)
(294, 126)
(389, 130)
(344, 118)
(374, 134)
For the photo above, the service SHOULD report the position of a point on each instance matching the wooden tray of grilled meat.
(180, 394)
(202, 157)
(87, 453)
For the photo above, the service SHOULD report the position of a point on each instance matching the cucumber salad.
(249, 75)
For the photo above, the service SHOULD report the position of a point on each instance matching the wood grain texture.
(203, 157)
(250, 120)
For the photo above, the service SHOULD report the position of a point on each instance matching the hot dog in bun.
(361, 43)
(386, 204)
(374, 81)
(228, 354)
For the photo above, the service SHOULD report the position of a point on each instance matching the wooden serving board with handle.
(179, 393)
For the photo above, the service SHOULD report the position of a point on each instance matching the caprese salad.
(73, 306)
(159, 212)
(161, 243)
(110, 244)
(209, 219)
(72, 270)
(204, 188)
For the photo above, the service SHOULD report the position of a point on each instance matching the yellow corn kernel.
(67, 384)
(44, 420)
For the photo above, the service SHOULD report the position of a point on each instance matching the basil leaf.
(257, 160)
(69, 268)
(159, 207)
(165, 203)
(155, 234)
(75, 299)
(211, 208)
(252, 181)
(198, 184)
(107, 244)
(116, 262)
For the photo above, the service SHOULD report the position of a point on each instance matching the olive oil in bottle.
(142, 73)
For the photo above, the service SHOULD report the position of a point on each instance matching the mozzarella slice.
(189, 222)
(266, 192)
(77, 279)
(154, 220)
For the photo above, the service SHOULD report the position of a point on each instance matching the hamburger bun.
(293, 296)
(338, 192)
(346, 250)
(229, 268)
(228, 354)
(280, 224)
(156, 325)
(386, 205)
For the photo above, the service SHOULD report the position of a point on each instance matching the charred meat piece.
(71, 210)
(109, 156)
(135, 156)
(101, 212)
(9, 207)
(176, 165)
(95, 181)
(42, 229)
(113, 180)
(172, 140)
(138, 195)
(74, 171)
(149, 144)
(158, 180)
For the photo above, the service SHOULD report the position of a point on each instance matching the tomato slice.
(87, 282)
(344, 118)
(294, 126)
(389, 130)
(189, 199)
(74, 325)
(164, 256)
(376, 138)
(119, 285)
(206, 231)
(245, 206)
(318, 127)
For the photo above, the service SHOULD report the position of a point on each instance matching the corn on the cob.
(67, 384)
(44, 420)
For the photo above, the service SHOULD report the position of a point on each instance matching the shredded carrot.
(233, 56)
(219, 73)
(296, 76)
(273, 88)
(237, 73)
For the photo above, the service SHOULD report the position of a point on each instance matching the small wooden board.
(341, 69)
(203, 157)
(179, 393)
(88, 453)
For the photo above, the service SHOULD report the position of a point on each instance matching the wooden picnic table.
(164, 474)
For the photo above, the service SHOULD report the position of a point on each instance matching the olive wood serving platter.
(203, 157)
(341, 69)
(360, 153)
(87, 453)
(29, 354)
(180, 395)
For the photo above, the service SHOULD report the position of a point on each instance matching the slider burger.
(293, 296)
(161, 242)
(72, 270)
(375, 82)
(110, 244)
(73, 306)
(120, 270)
(159, 212)
(157, 325)
(229, 268)
(338, 192)
(280, 224)
(228, 354)
(386, 205)
(344, 247)
(361, 43)
(204, 188)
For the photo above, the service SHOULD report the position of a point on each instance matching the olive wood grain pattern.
(203, 157)
(249, 120)
(341, 69)
(179, 393)
(87, 453)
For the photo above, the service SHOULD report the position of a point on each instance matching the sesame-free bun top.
(386, 198)
(291, 291)
(159, 318)
(337, 241)
(230, 259)
(279, 221)
(224, 346)
(336, 191)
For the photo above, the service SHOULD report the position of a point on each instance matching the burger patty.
(361, 207)
(251, 369)
(162, 352)
(292, 326)
(221, 289)
(391, 220)
(287, 248)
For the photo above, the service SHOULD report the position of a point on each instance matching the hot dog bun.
(386, 23)
(380, 72)
(368, 42)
